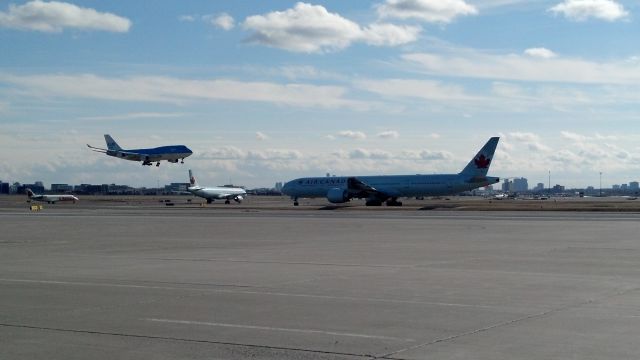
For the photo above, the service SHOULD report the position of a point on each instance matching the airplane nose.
(286, 188)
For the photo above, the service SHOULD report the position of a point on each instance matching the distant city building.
(61, 188)
(615, 187)
(176, 187)
(520, 185)
(506, 185)
(4, 187)
(624, 187)
(539, 187)
(633, 186)
(558, 188)
(278, 186)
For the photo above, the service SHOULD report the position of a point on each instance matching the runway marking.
(271, 328)
(253, 292)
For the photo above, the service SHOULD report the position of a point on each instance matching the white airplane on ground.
(216, 193)
(171, 153)
(378, 189)
(51, 199)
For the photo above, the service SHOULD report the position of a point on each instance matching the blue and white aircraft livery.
(227, 193)
(171, 153)
(388, 188)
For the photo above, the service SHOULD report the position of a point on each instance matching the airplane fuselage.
(219, 192)
(53, 198)
(392, 185)
(171, 153)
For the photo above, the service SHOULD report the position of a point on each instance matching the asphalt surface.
(154, 282)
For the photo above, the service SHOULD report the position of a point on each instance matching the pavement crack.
(507, 323)
(195, 341)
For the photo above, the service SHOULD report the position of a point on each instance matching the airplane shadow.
(333, 207)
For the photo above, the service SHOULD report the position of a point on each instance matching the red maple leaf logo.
(482, 162)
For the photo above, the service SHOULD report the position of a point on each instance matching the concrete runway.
(193, 283)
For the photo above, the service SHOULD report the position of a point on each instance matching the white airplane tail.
(479, 165)
(192, 179)
(111, 144)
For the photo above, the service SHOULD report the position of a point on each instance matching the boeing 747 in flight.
(227, 193)
(51, 199)
(171, 153)
(388, 188)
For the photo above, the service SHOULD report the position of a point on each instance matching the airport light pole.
(600, 183)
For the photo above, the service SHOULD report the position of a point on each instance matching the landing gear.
(227, 202)
(394, 202)
(148, 163)
(158, 163)
(182, 161)
(295, 202)
(209, 201)
(373, 202)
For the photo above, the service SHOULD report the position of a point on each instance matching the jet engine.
(337, 195)
(238, 198)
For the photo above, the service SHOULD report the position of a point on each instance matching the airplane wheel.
(394, 203)
(373, 203)
(227, 202)
(295, 203)
(209, 201)
(158, 164)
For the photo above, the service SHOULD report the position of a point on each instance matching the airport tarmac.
(149, 281)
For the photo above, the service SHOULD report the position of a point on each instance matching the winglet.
(479, 165)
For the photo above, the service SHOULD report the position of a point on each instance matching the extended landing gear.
(158, 163)
(182, 161)
(295, 202)
(209, 201)
(394, 202)
(373, 202)
(148, 163)
(227, 202)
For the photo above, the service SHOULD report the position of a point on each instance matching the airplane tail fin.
(479, 165)
(29, 193)
(111, 144)
(192, 179)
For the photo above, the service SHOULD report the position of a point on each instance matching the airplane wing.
(97, 149)
(359, 189)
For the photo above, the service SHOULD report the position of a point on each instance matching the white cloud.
(581, 10)
(349, 134)
(133, 116)
(390, 134)
(187, 18)
(311, 29)
(524, 136)
(540, 53)
(224, 21)
(174, 90)
(55, 16)
(433, 11)
(369, 154)
(421, 89)
(429, 155)
(476, 64)
(389, 34)
(261, 136)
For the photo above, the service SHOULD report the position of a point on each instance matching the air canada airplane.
(171, 153)
(388, 188)
(51, 199)
(227, 193)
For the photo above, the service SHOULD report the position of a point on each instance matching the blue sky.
(269, 91)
